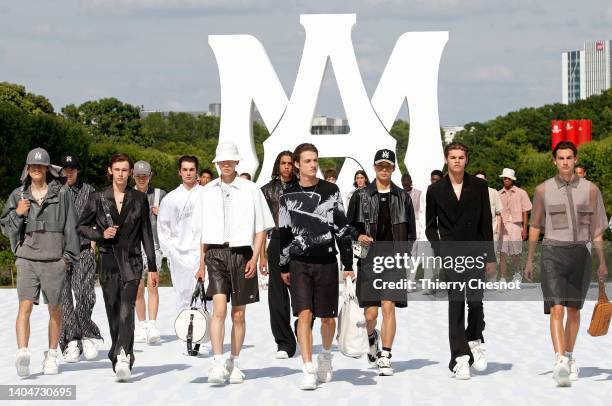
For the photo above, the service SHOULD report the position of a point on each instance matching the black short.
(314, 287)
(225, 272)
(367, 296)
(565, 275)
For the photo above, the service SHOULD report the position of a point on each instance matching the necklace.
(312, 194)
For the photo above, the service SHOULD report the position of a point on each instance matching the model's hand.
(528, 273)
(153, 279)
(286, 279)
(250, 270)
(200, 274)
(524, 234)
(22, 207)
(110, 232)
(263, 266)
(602, 272)
(491, 269)
(154, 210)
(365, 240)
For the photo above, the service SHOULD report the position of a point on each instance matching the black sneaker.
(374, 348)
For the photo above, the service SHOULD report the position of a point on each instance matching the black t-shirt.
(384, 231)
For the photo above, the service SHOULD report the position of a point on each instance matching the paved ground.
(520, 361)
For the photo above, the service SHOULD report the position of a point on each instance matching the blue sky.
(501, 55)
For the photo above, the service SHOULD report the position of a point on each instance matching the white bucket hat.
(508, 173)
(226, 151)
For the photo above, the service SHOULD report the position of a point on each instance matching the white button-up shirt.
(248, 213)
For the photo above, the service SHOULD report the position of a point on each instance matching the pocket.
(585, 213)
(558, 216)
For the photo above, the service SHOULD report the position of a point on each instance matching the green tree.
(28, 102)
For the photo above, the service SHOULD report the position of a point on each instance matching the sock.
(372, 338)
(569, 355)
(234, 359)
(152, 322)
(218, 358)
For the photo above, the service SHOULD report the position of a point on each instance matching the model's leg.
(238, 329)
(217, 325)
(305, 334)
(22, 323)
(389, 323)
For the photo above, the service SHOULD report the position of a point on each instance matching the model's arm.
(147, 234)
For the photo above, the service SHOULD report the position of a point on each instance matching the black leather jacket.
(402, 213)
(272, 192)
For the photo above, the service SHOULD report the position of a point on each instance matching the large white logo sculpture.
(411, 74)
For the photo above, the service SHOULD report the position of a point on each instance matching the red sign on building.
(599, 46)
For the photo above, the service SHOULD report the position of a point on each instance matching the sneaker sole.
(71, 361)
(123, 375)
(50, 371)
(563, 380)
(325, 379)
(23, 366)
(216, 381)
(236, 381)
(385, 372)
(308, 387)
(91, 357)
(282, 356)
(153, 340)
(479, 368)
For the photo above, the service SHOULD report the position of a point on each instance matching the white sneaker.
(140, 332)
(217, 374)
(479, 351)
(374, 349)
(50, 363)
(502, 284)
(574, 371)
(72, 353)
(281, 355)
(324, 367)
(462, 367)
(122, 367)
(384, 364)
(517, 278)
(561, 371)
(235, 374)
(22, 362)
(152, 333)
(90, 349)
(309, 377)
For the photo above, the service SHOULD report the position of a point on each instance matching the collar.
(237, 183)
(513, 189)
(372, 189)
(77, 186)
(561, 182)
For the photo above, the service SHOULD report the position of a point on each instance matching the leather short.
(565, 275)
(314, 287)
(225, 272)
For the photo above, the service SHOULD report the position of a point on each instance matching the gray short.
(34, 276)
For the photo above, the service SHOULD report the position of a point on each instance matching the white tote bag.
(352, 333)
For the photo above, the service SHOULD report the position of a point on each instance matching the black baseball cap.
(70, 161)
(384, 155)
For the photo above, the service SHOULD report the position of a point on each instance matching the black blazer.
(466, 219)
(134, 229)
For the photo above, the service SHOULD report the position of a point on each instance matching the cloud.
(495, 73)
(609, 13)
(239, 6)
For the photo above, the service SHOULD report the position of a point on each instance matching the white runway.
(517, 335)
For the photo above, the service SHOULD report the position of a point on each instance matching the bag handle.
(349, 287)
(603, 298)
(199, 293)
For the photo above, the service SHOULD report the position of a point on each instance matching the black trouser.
(278, 301)
(80, 279)
(458, 334)
(119, 300)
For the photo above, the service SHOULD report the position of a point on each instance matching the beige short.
(511, 239)
(34, 276)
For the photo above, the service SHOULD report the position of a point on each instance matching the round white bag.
(192, 326)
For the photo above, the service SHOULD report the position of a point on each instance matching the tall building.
(598, 66)
(588, 72)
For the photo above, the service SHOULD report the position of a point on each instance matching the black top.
(134, 229)
(466, 219)
(311, 221)
(384, 230)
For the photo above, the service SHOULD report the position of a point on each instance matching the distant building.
(450, 131)
(144, 113)
(214, 109)
(586, 73)
(329, 125)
